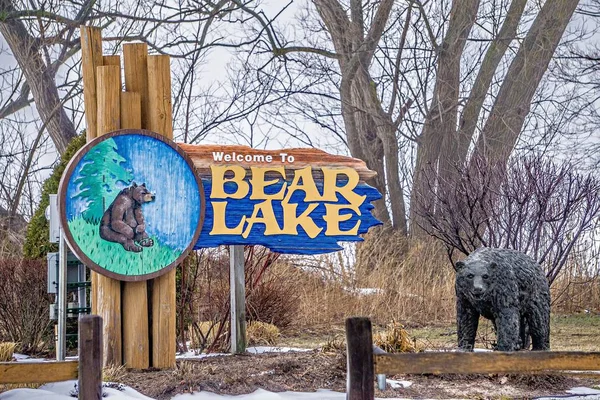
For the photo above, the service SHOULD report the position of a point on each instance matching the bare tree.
(420, 84)
(40, 79)
(532, 205)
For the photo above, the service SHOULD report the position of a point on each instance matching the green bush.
(37, 243)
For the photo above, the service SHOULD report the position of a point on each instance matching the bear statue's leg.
(524, 333)
(108, 234)
(467, 319)
(539, 326)
(507, 329)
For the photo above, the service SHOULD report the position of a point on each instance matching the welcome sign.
(133, 203)
(295, 201)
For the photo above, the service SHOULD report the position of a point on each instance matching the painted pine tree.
(99, 178)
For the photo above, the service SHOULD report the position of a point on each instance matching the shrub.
(37, 243)
(203, 295)
(24, 313)
(262, 333)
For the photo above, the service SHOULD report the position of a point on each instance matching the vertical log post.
(136, 336)
(90, 357)
(91, 58)
(108, 86)
(360, 367)
(160, 120)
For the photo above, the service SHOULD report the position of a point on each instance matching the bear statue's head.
(141, 194)
(474, 277)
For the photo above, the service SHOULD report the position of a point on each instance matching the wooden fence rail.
(88, 370)
(362, 364)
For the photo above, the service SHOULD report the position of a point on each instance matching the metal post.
(81, 292)
(62, 298)
(238, 299)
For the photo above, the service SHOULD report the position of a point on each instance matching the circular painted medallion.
(131, 205)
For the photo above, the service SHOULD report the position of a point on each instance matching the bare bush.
(24, 304)
(204, 302)
(533, 205)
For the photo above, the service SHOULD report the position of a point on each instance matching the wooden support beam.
(136, 336)
(90, 357)
(22, 373)
(114, 60)
(522, 362)
(131, 115)
(108, 80)
(160, 120)
(361, 375)
(135, 57)
(91, 57)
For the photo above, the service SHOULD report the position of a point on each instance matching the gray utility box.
(73, 271)
(53, 218)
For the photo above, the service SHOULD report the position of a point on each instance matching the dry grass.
(416, 288)
(396, 339)
(258, 333)
(184, 370)
(113, 373)
(7, 349)
(335, 344)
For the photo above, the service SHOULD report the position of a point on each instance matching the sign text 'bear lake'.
(301, 201)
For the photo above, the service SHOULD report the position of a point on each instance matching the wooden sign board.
(295, 201)
(132, 202)
(131, 205)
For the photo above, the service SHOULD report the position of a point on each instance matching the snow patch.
(398, 384)
(267, 349)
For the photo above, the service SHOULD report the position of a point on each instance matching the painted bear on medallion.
(123, 221)
(508, 288)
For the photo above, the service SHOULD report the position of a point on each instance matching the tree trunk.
(512, 105)
(456, 146)
(40, 78)
(442, 116)
(370, 130)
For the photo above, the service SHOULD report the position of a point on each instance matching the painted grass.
(114, 258)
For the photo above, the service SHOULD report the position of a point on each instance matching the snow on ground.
(580, 393)
(63, 390)
(266, 349)
(398, 384)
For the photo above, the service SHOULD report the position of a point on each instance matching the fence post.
(90, 357)
(360, 367)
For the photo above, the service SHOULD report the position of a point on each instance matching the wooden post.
(91, 58)
(360, 367)
(238, 299)
(90, 357)
(114, 60)
(136, 339)
(131, 112)
(160, 120)
(136, 336)
(135, 57)
(108, 80)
